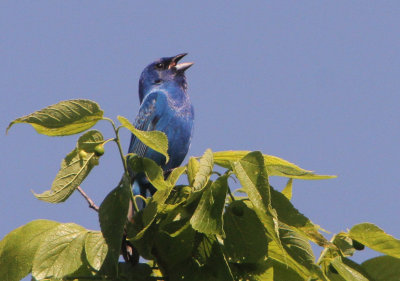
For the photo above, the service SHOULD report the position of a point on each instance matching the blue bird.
(164, 106)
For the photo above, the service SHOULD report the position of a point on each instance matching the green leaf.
(175, 175)
(156, 140)
(246, 241)
(344, 243)
(287, 191)
(289, 215)
(375, 238)
(60, 252)
(17, 249)
(139, 272)
(212, 259)
(275, 165)
(261, 271)
(275, 253)
(74, 169)
(346, 271)
(173, 249)
(96, 249)
(252, 174)
(89, 141)
(64, 118)
(283, 272)
(204, 170)
(192, 169)
(207, 217)
(154, 206)
(113, 213)
(297, 246)
(383, 268)
(153, 171)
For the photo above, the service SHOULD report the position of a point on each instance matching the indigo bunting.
(164, 106)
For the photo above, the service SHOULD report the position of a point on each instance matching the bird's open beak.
(181, 67)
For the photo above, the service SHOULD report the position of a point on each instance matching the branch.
(90, 201)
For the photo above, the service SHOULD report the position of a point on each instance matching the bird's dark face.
(161, 72)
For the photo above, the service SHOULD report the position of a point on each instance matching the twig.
(90, 201)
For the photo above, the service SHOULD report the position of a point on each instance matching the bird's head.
(163, 71)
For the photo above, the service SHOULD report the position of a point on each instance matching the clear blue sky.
(314, 82)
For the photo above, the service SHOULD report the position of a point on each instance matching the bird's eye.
(160, 65)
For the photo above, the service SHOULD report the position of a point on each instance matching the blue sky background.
(314, 82)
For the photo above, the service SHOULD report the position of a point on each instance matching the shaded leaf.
(246, 241)
(261, 271)
(383, 268)
(156, 140)
(275, 166)
(207, 217)
(96, 249)
(139, 272)
(289, 215)
(151, 210)
(175, 248)
(113, 213)
(344, 243)
(17, 249)
(60, 252)
(64, 118)
(152, 170)
(74, 169)
(375, 238)
(204, 170)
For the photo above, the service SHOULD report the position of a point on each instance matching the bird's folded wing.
(147, 119)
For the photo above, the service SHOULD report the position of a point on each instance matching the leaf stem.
(116, 139)
(88, 199)
(230, 194)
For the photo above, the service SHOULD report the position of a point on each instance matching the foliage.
(196, 231)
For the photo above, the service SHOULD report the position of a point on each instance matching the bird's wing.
(149, 114)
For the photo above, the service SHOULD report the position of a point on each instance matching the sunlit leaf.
(64, 118)
(60, 252)
(287, 191)
(74, 169)
(375, 238)
(346, 271)
(204, 170)
(17, 249)
(156, 140)
(275, 165)
(193, 167)
(207, 217)
(96, 249)
(252, 174)
(175, 175)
